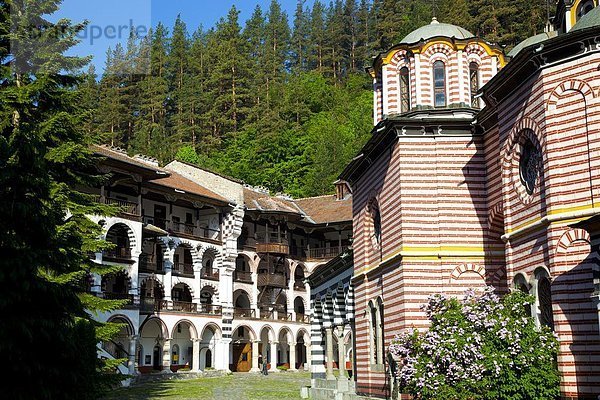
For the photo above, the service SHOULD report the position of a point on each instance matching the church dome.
(531, 41)
(435, 29)
(590, 19)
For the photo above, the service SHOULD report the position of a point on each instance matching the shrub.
(479, 347)
(283, 368)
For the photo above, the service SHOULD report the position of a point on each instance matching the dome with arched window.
(437, 66)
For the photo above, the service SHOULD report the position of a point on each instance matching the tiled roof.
(325, 209)
(177, 182)
(255, 200)
(120, 155)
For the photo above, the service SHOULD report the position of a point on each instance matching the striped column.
(317, 348)
(338, 307)
(350, 303)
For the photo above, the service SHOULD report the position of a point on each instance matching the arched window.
(529, 165)
(439, 83)
(474, 82)
(373, 341)
(583, 8)
(519, 283)
(545, 302)
(404, 78)
(377, 225)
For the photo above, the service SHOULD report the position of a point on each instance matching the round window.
(529, 165)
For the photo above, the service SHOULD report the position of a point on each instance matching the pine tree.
(177, 76)
(228, 78)
(299, 38)
(317, 37)
(47, 335)
(277, 40)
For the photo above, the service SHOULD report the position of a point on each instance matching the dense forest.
(280, 101)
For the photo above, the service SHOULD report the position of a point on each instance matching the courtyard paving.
(237, 386)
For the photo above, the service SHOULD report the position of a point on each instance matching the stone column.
(308, 356)
(255, 367)
(341, 353)
(292, 356)
(329, 347)
(195, 355)
(166, 362)
(221, 354)
(273, 359)
(132, 352)
(167, 278)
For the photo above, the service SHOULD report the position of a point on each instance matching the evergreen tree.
(299, 38)
(47, 335)
(317, 37)
(178, 77)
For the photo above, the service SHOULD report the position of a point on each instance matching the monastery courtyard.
(236, 386)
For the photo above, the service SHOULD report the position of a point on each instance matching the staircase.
(121, 368)
(333, 390)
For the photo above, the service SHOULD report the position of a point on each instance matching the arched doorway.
(152, 295)
(265, 347)
(152, 337)
(182, 346)
(241, 349)
(283, 348)
(116, 286)
(299, 310)
(119, 236)
(242, 305)
(208, 344)
(302, 338)
(182, 298)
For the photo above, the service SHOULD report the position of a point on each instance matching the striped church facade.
(454, 197)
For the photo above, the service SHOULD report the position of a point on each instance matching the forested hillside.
(280, 101)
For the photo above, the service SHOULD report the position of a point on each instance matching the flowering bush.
(480, 347)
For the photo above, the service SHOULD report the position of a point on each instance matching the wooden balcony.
(118, 254)
(149, 305)
(325, 252)
(127, 209)
(150, 264)
(302, 318)
(269, 279)
(275, 248)
(242, 276)
(283, 316)
(182, 229)
(244, 313)
(183, 269)
(209, 274)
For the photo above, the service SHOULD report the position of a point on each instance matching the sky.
(109, 20)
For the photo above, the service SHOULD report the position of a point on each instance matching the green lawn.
(239, 386)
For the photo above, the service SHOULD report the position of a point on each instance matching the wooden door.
(242, 357)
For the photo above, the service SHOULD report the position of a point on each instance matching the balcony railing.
(244, 313)
(209, 274)
(183, 269)
(242, 276)
(302, 318)
(125, 207)
(283, 316)
(117, 254)
(183, 229)
(271, 244)
(149, 263)
(299, 286)
(325, 252)
(150, 305)
(269, 279)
